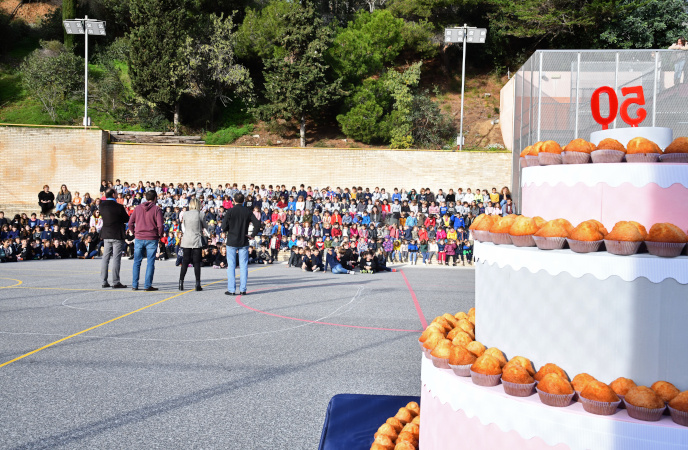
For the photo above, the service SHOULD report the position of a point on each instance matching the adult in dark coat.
(235, 224)
(114, 218)
(46, 200)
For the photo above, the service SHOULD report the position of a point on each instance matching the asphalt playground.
(83, 367)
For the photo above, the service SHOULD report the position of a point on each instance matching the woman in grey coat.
(193, 225)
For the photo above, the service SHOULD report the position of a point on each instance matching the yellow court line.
(107, 322)
(14, 285)
(75, 289)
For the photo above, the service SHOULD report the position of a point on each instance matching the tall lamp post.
(464, 35)
(85, 26)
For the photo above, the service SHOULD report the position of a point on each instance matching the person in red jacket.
(146, 223)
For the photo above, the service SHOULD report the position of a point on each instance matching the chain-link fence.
(554, 88)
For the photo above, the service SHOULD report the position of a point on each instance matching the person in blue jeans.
(147, 225)
(333, 263)
(413, 252)
(235, 225)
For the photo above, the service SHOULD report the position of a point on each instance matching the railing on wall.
(553, 90)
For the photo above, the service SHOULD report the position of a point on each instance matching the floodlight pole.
(463, 84)
(86, 73)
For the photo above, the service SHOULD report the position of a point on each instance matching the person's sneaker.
(229, 293)
(317, 269)
(106, 285)
(151, 289)
(243, 293)
(133, 288)
(119, 286)
(394, 270)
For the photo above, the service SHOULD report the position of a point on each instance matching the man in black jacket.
(235, 225)
(114, 218)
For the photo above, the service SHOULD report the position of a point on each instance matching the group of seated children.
(339, 260)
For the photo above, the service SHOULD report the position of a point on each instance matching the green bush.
(365, 119)
(430, 127)
(228, 135)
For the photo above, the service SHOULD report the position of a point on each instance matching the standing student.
(235, 225)
(114, 217)
(193, 225)
(146, 223)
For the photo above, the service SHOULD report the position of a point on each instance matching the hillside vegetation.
(275, 72)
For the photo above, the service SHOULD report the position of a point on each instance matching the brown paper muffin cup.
(481, 235)
(485, 380)
(549, 159)
(532, 160)
(575, 157)
(584, 246)
(679, 417)
(522, 162)
(607, 156)
(642, 157)
(677, 158)
(518, 390)
(426, 352)
(440, 363)
(422, 349)
(556, 400)
(646, 414)
(622, 405)
(500, 238)
(523, 241)
(600, 408)
(549, 243)
(623, 248)
(461, 370)
(665, 249)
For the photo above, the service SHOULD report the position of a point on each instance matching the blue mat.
(352, 419)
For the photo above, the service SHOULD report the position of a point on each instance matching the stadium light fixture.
(464, 35)
(86, 27)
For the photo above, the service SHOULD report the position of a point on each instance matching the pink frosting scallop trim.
(443, 428)
(647, 205)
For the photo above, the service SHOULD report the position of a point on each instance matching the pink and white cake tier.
(646, 193)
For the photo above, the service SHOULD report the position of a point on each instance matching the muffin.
(445, 324)
(498, 354)
(523, 362)
(459, 356)
(553, 234)
(462, 339)
(482, 228)
(517, 381)
(641, 145)
(471, 315)
(395, 423)
(554, 390)
(676, 152)
(451, 319)
(382, 441)
(416, 420)
(407, 436)
(461, 315)
(404, 416)
(550, 153)
(476, 348)
(665, 239)
(387, 430)
(610, 144)
(621, 386)
(411, 428)
(440, 354)
(414, 407)
(432, 341)
(608, 151)
(678, 407)
(586, 237)
(486, 371)
(550, 368)
(625, 238)
(427, 332)
(404, 445)
(598, 398)
(467, 326)
(665, 390)
(499, 231)
(580, 381)
(577, 152)
(644, 404)
(522, 231)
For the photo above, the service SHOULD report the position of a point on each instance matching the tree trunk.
(68, 12)
(303, 131)
(176, 118)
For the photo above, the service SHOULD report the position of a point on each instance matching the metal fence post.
(539, 124)
(530, 109)
(616, 79)
(575, 134)
(654, 90)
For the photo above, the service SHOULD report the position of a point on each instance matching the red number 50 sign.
(638, 99)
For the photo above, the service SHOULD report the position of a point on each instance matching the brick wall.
(316, 167)
(31, 157)
(80, 158)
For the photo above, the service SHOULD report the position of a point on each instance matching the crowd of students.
(320, 229)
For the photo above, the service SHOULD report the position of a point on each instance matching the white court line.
(357, 296)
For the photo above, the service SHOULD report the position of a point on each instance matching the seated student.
(48, 251)
(332, 261)
(252, 255)
(7, 252)
(368, 264)
(296, 257)
(381, 261)
(317, 260)
(467, 255)
(450, 249)
(264, 255)
(221, 259)
(307, 260)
